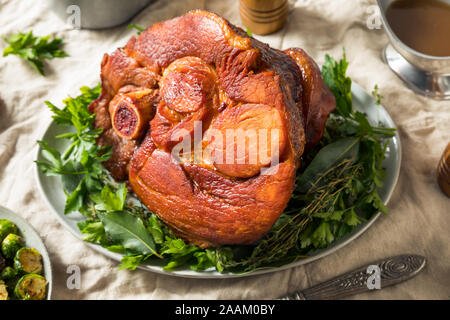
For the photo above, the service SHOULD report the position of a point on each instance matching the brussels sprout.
(11, 244)
(31, 287)
(2, 262)
(10, 285)
(7, 227)
(3, 291)
(8, 273)
(28, 260)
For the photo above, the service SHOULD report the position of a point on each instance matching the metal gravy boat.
(424, 74)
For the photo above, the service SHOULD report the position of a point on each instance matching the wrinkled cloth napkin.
(419, 213)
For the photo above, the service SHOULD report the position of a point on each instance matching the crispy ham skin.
(198, 68)
(317, 99)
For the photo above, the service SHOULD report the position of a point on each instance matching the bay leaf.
(129, 231)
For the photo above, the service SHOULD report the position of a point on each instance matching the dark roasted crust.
(200, 203)
(317, 101)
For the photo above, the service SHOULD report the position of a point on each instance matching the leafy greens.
(34, 49)
(137, 27)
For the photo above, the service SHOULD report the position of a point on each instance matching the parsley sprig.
(80, 166)
(137, 27)
(34, 49)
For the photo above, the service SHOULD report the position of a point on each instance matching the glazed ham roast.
(199, 75)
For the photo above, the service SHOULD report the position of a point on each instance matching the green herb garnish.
(336, 190)
(137, 27)
(34, 49)
(377, 95)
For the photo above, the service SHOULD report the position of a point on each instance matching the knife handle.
(392, 271)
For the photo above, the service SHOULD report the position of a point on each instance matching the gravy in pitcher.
(423, 25)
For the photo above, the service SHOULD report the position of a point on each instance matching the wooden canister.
(263, 16)
(443, 171)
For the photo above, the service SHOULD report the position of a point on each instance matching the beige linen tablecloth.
(419, 218)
